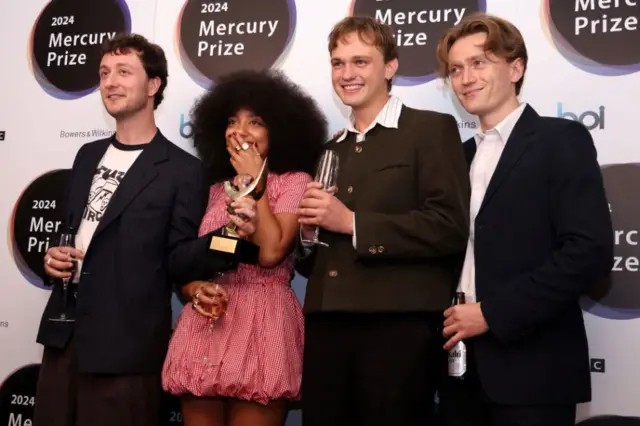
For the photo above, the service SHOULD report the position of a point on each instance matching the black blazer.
(146, 242)
(543, 237)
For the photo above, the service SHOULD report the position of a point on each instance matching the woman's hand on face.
(245, 157)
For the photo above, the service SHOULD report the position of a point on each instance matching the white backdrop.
(584, 59)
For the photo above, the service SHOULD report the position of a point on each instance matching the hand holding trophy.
(230, 244)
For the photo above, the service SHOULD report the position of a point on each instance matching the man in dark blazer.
(540, 236)
(135, 202)
(395, 228)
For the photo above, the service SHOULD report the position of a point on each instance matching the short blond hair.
(503, 40)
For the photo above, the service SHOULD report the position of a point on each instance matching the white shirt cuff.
(353, 238)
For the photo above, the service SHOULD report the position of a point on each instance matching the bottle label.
(458, 360)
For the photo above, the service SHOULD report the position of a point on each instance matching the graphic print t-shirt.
(107, 177)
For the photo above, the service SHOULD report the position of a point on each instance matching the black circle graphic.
(170, 412)
(18, 395)
(67, 39)
(610, 421)
(38, 219)
(620, 290)
(217, 38)
(607, 35)
(418, 26)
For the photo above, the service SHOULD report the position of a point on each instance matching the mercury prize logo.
(37, 221)
(418, 26)
(600, 37)
(618, 297)
(17, 396)
(216, 38)
(66, 42)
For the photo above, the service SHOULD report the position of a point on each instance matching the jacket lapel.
(84, 173)
(516, 145)
(469, 148)
(141, 173)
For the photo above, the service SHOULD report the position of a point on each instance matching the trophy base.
(234, 249)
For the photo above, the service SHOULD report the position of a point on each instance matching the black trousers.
(464, 403)
(64, 397)
(370, 369)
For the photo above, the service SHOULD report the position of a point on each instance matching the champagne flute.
(67, 240)
(327, 175)
(217, 309)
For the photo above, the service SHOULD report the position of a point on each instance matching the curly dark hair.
(151, 55)
(297, 127)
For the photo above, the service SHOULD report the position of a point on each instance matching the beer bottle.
(458, 354)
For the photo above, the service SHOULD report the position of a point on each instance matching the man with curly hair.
(135, 202)
(395, 227)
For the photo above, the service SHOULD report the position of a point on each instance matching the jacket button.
(358, 149)
(373, 250)
(333, 273)
(350, 189)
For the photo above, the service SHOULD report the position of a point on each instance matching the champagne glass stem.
(65, 301)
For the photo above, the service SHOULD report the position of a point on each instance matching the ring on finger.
(49, 261)
(244, 146)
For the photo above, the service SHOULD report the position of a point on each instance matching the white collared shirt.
(388, 117)
(489, 147)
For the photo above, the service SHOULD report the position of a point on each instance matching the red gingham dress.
(257, 344)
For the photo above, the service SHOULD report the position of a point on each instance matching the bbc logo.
(2, 133)
(597, 365)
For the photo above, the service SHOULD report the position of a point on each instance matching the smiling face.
(125, 86)
(484, 84)
(245, 126)
(359, 73)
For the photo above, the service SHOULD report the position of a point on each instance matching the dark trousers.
(370, 369)
(464, 403)
(64, 397)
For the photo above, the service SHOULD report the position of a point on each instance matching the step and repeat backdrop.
(584, 62)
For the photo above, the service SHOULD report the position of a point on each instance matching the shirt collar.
(504, 128)
(388, 117)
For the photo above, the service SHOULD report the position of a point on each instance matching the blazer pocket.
(392, 166)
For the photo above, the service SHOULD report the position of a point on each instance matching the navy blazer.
(543, 237)
(145, 244)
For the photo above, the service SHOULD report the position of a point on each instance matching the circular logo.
(67, 40)
(618, 297)
(38, 218)
(417, 26)
(217, 38)
(596, 36)
(17, 396)
(610, 421)
(170, 413)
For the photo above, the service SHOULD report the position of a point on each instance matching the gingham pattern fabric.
(257, 344)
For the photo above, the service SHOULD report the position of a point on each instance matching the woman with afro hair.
(247, 367)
